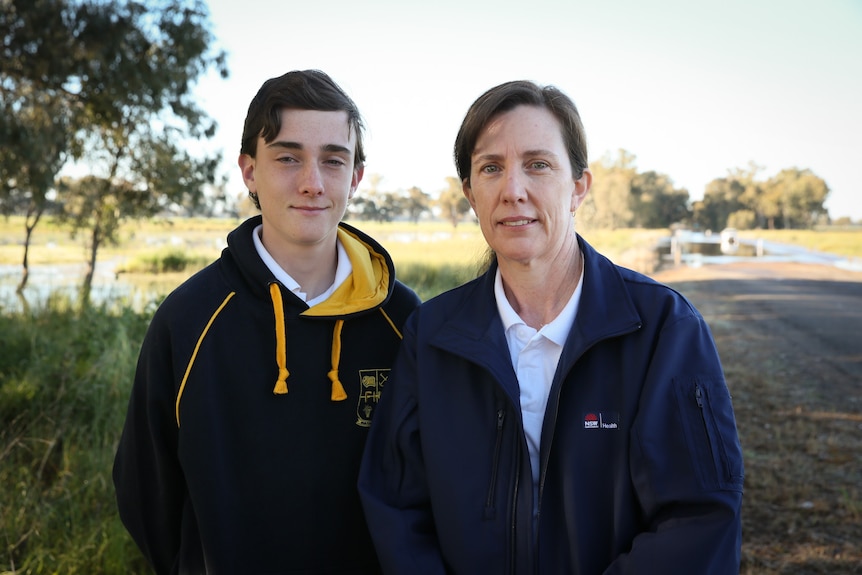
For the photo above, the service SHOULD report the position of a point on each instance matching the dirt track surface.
(790, 340)
(809, 314)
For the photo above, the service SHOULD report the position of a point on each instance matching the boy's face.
(303, 179)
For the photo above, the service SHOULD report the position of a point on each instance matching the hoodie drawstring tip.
(281, 384)
(338, 393)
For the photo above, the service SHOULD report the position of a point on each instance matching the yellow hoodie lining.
(366, 287)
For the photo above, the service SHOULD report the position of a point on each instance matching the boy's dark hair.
(298, 90)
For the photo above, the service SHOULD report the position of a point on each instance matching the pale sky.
(692, 88)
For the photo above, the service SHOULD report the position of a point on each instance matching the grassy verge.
(64, 383)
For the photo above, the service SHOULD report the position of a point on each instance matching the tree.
(610, 202)
(416, 203)
(35, 126)
(800, 194)
(122, 72)
(656, 203)
(722, 197)
(452, 202)
(793, 198)
(35, 135)
(375, 204)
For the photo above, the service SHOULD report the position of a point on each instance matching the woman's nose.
(514, 187)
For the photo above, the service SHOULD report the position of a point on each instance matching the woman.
(559, 414)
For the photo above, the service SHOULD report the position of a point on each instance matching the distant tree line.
(623, 197)
(374, 204)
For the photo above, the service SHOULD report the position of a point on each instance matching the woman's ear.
(581, 189)
(468, 192)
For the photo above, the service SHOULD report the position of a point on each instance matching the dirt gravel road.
(809, 315)
(790, 340)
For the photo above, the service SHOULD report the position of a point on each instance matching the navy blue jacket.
(249, 413)
(641, 466)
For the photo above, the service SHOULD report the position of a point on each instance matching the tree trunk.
(96, 240)
(34, 212)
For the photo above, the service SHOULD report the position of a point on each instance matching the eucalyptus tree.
(452, 202)
(35, 128)
(799, 195)
(657, 203)
(610, 204)
(123, 74)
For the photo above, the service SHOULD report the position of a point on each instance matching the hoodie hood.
(368, 287)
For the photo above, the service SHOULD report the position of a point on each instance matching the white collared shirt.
(342, 270)
(535, 355)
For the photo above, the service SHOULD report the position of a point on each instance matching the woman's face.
(522, 188)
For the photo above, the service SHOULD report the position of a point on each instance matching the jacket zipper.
(513, 556)
(490, 509)
(698, 396)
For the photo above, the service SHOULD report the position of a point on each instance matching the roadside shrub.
(62, 403)
(742, 220)
(165, 262)
(429, 280)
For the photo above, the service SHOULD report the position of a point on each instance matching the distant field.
(842, 242)
(426, 242)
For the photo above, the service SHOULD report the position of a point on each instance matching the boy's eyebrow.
(336, 148)
(283, 144)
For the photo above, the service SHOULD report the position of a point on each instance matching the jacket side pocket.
(710, 428)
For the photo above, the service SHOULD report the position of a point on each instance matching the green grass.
(65, 376)
(164, 261)
(842, 242)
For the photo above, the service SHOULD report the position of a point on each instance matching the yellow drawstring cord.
(338, 393)
(280, 340)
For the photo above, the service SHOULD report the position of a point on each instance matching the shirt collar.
(342, 271)
(557, 330)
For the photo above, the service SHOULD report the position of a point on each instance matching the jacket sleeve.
(686, 460)
(392, 482)
(147, 477)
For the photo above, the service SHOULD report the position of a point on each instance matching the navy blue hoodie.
(249, 413)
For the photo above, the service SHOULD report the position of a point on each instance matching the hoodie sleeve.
(686, 460)
(392, 482)
(147, 476)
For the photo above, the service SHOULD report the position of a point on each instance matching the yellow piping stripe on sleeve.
(195, 353)
(395, 329)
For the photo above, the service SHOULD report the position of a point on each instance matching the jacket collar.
(475, 330)
(370, 285)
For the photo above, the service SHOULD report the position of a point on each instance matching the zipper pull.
(698, 395)
(501, 415)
